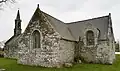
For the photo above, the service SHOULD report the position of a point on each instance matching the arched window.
(36, 39)
(90, 37)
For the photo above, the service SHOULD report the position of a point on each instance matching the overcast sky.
(64, 10)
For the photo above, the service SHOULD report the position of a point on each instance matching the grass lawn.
(11, 65)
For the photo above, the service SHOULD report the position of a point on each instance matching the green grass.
(11, 65)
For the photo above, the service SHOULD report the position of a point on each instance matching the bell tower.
(17, 29)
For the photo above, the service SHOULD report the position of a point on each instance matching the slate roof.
(72, 31)
(12, 39)
(101, 23)
(60, 27)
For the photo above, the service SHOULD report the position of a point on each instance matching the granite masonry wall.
(11, 49)
(102, 53)
(66, 51)
(103, 50)
(47, 54)
(53, 51)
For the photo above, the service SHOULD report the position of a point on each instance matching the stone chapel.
(49, 42)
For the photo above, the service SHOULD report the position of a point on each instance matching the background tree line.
(117, 46)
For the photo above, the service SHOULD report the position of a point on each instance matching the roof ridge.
(87, 19)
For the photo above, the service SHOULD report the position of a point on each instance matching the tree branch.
(2, 1)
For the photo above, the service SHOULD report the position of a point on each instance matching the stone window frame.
(90, 27)
(41, 38)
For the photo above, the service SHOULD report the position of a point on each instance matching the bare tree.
(4, 1)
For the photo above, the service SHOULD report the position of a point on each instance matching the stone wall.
(102, 53)
(105, 53)
(103, 50)
(66, 51)
(48, 54)
(11, 49)
(11, 52)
